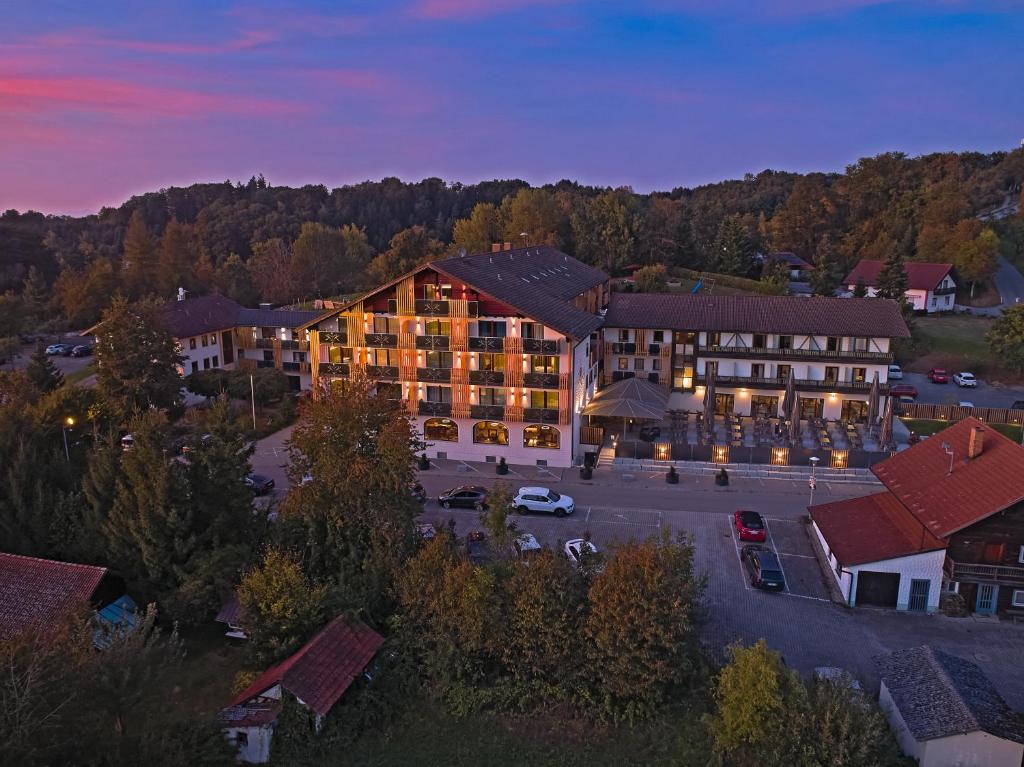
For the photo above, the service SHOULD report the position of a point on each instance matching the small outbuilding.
(945, 711)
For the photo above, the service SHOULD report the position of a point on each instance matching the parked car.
(578, 547)
(650, 433)
(965, 380)
(938, 375)
(965, 403)
(82, 350)
(895, 373)
(525, 545)
(477, 548)
(541, 499)
(903, 390)
(59, 350)
(763, 565)
(127, 442)
(749, 525)
(260, 485)
(466, 497)
(837, 676)
(1017, 405)
(418, 492)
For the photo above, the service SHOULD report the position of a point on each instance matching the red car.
(749, 525)
(938, 375)
(903, 390)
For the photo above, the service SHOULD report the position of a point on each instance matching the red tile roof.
(322, 669)
(977, 488)
(920, 276)
(36, 592)
(872, 529)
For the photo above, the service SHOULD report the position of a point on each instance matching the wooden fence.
(954, 413)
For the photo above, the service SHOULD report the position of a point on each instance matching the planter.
(424, 463)
(722, 479)
(586, 472)
(501, 467)
(672, 477)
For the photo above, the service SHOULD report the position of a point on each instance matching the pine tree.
(42, 373)
(860, 290)
(35, 294)
(175, 259)
(827, 273)
(732, 251)
(139, 256)
(892, 281)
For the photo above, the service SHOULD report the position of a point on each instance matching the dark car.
(466, 497)
(81, 350)
(764, 567)
(477, 548)
(749, 525)
(650, 433)
(417, 491)
(260, 485)
(1018, 405)
(903, 390)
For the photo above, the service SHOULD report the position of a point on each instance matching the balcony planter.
(501, 467)
(672, 477)
(586, 472)
(722, 478)
(424, 462)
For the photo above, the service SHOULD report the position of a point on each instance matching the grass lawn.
(80, 375)
(926, 427)
(956, 342)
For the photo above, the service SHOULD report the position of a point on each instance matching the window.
(783, 371)
(204, 340)
(216, 361)
(832, 344)
(491, 329)
(299, 356)
(532, 330)
(339, 354)
(195, 367)
(757, 370)
(659, 336)
(241, 739)
(437, 328)
(861, 344)
(623, 336)
(437, 359)
(241, 354)
(490, 433)
(489, 395)
(860, 375)
(544, 399)
(933, 300)
(538, 435)
(682, 378)
(191, 343)
(441, 430)
(437, 292)
(638, 363)
(992, 554)
(623, 363)
(714, 339)
(656, 364)
(385, 325)
(544, 363)
(785, 342)
(441, 394)
(831, 374)
(213, 339)
(390, 391)
(384, 357)
(490, 361)
(759, 340)
(268, 356)
(1017, 600)
(206, 363)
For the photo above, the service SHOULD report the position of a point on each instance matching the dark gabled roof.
(203, 314)
(36, 592)
(939, 695)
(872, 529)
(947, 501)
(322, 669)
(275, 318)
(797, 315)
(789, 258)
(920, 276)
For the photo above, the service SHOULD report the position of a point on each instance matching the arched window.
(490, 433)
(540, 435)
(441, 430)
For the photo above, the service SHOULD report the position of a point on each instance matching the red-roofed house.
(930, 287)
(317, 675)
(950, 519)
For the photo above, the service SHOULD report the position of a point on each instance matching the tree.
(281, 607)
(270, 269)
(641, 629)
(318, 256)
(35, 294)
(892, 280)
(358, 253)
(608, 230)
(137, 359)
(1006, 338)
(732, 251)
(233, 279)
(860, 290)
(175, 259)
(139, 256)
(805, 217)
(496, 518)
(407, 250)
(827, 273)
(973, 249)
(776, 273)
(535, 213)
(42, 373)
(651, 279)
(669, 233)
(477, 233)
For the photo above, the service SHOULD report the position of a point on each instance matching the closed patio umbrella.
(885, 435)
(788, 406)
(709, 401)
(873, 402)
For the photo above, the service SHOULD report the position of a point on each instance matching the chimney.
(508, 246)
(495, 247)
(976, 442)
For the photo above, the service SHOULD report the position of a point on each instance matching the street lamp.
(812, 482)
(68, 423)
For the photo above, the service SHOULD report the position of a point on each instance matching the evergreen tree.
(139, 256)
(860, 290)
(175, 259)
(732, 252)
(35, 294)
(892, 281)
(42, 373)
(827, 273)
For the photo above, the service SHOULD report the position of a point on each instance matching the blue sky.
(100, 101)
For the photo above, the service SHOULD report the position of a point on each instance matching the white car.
(966, 403)
(966, 380)
(525, 545)
(542, 499)
(574, 549)
(895, 373)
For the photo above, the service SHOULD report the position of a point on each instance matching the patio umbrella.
(629, 398)
(885, 435)
(788, 402)
(709, 401)
(873, 402)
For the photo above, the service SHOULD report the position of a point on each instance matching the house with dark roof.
(316, 677)
(930, 287)
(950, 520)
(799, 269)
(945, 711)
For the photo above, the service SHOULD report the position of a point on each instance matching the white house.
(930, 287)
(945, 711)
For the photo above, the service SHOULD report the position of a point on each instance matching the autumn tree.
(608, 230)
(651, 279)
(318, 259)
(83, 294)
(669, 233)
(496, 517)
(477, 233)
(805, 217)
(270, 270)
(407, 250)
(534, 213)
(281, 607)
(42, 373)
(1006, 338)
(232, 278)
(175, 257)
(139, 256)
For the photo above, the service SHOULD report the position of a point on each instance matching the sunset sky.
(99, 101)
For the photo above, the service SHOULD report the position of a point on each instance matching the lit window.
(441, 430)
(490, 433)
(539, 435)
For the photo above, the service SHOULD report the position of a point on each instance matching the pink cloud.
(473, 9)
(352, 79)
(86, 37)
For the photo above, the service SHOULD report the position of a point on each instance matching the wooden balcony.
(794, 354)
(540, 414)
(539, 346)
(434, 408)
(494, 344)
(487, 412)
(541, 380)
(382, 340)
(382, 371)
(802, 384)
(331, 337)
(434, 343)
(434, 375)
(334, 368)
(487, 377)
(981, 573)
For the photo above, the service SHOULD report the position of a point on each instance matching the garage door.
(879, 589)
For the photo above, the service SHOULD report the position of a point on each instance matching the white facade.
(924, 566)
(203, 352)
(972, 749)
(941, 299)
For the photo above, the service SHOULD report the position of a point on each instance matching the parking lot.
(983, 395)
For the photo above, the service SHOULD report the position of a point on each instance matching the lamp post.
(68, 423)
(812, 482)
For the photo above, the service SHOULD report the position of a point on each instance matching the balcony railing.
(382, 371)
(541, 380)
(539, 346)
(487, 412)
(434, 408)
(486, 344)
(433, 342)
(290, 367)
(487, 377)
(433, 375)
(963, 571)
(385, 340)
(793, 354)
(265, 363)
(802, 384)
(334, 368)
(944, 291)
(332, 337)
(540, 414)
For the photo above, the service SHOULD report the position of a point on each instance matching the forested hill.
(255, 241)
